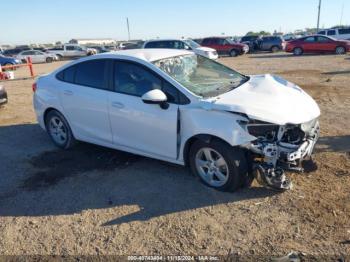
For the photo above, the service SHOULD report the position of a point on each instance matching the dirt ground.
(91, 200)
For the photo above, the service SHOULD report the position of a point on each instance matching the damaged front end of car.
(280, 148)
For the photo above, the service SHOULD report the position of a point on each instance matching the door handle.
(68, 92)
(117, 105)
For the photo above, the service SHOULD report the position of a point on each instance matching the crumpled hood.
(271, 99)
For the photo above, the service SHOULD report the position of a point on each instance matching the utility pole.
(127, 24)
(341, 15)
(318, 17)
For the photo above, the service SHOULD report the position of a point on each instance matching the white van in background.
(337, 33)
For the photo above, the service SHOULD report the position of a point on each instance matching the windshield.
(202, 76)
(192, 43)
(230, 41)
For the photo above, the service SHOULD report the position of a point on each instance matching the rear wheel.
(340, 50)
(219, 165)
(233, 53)
(298, 51)
(59, 130)
(59, 57)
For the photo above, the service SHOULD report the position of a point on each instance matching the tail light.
(34, 87)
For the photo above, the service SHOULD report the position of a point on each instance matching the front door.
(38, 57)
(325, 44)
(147, 128)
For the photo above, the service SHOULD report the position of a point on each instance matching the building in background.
(97, 41)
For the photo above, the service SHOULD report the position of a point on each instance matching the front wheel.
(233, 53)
(59, 130)
(275, 49)
(49, 59)
(340, 50)
(219, 165)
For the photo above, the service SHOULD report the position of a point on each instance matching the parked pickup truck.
(71, 50)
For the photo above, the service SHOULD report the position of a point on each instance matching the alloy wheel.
(212, 167)
(58, 130)
(340, 50)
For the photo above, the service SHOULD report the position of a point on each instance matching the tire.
(298, 51)
(10, 69)
(233, 53)
(59, 57)
(59, 130)
(231, 171)
(340, 50)
(49, 59)
(275, 49)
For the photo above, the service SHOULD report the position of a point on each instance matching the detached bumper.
(305, 150)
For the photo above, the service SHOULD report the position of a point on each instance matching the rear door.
(218, 45)
(84, 96)
(310, 45)
(24, 55)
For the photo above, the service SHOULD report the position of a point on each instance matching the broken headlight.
(293, 135)
(262, 130)
(308, 126)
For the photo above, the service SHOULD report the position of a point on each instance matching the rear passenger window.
(152, 45)
(331, 32)
(67, 75)
(91, 73)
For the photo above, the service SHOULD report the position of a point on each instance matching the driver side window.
(134, 80)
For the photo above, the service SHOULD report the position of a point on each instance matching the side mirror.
(154, 96)
(187, 47)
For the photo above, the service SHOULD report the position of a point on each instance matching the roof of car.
(166, 39)
(149, 55)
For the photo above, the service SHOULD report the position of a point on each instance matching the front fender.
(221, 124)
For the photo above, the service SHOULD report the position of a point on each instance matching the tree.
(258, 33)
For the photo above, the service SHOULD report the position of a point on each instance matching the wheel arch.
(50, 109)
(342, 46)
(277, 46)
(207, 138)
(234, 49)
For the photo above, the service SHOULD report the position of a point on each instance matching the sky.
(46, 21)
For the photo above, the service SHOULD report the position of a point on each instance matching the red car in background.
(226, 46)
(317, 44)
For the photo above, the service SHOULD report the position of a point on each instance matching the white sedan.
(36, 56)
(176, 106)
(187, 44)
